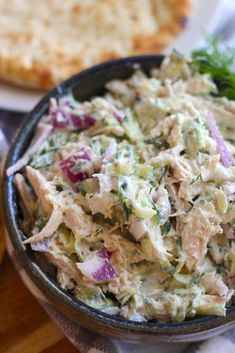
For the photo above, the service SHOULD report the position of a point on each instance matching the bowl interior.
(84, 86)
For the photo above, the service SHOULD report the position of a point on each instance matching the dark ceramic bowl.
(36, 273)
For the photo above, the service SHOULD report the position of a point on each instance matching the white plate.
(205, 16)
(18, 99)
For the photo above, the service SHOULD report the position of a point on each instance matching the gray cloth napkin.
(88, 342)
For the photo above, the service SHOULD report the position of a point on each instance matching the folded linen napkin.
(88, 342)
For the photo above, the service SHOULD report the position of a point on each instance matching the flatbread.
(44, 42)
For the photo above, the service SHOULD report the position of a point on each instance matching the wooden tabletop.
(24, 326)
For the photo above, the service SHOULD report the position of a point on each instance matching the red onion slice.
(61, 118)
(81, 122)
(71, 163)
(98, 268)
(58, 117)
(225, 155)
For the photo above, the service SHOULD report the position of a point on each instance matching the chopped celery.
(221, 201)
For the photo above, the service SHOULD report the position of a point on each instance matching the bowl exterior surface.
(41, 283)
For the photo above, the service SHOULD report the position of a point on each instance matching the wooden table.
(24, 326)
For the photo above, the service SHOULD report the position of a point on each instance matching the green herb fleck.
(82, 188)
(73, 137)
(156, 141)
(59, 188)
(167, 267)
(72, 256)
(163, 174)
(124, 186)
(43, 160)
(222, 270)
(45, 156)
(195, 278)
(157, 216)
(199, 177)
(126, 210)
(98, 231)
(172, 201)
(118, 154)
(125, 119)
(165, 229)
(178, 246)
(148, 300)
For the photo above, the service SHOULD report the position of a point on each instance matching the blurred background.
(44, 42)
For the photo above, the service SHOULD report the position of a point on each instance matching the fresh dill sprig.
(219, 64)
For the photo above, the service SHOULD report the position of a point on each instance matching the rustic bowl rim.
(19, 143)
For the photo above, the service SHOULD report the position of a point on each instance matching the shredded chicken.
(213, 284)
(52, 225)
(26, 194)
(196, 229)
(42, 188)
(77, 220)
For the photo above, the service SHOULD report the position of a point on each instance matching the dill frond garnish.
(219, 64)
